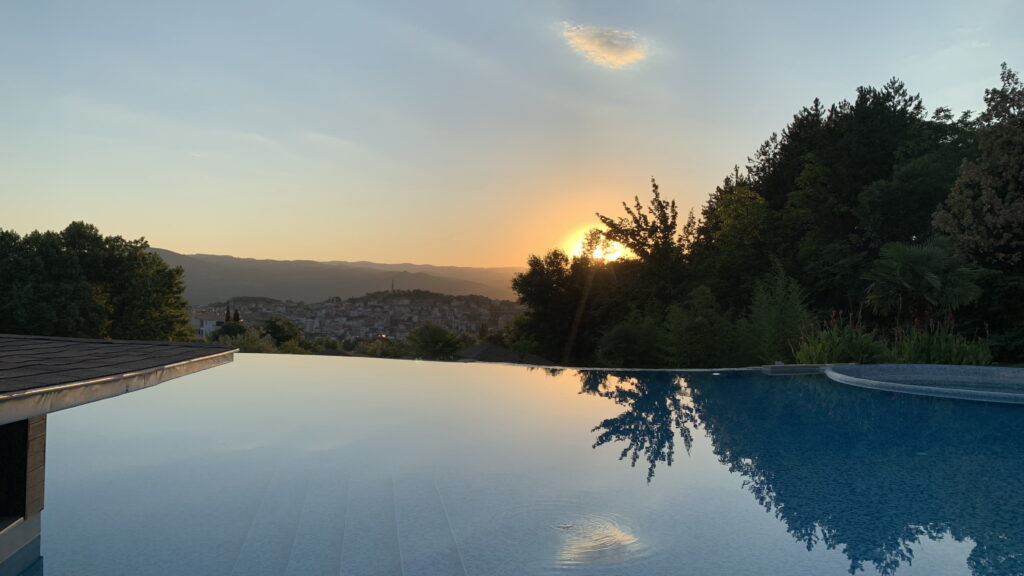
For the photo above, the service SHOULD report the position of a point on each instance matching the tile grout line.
(252, 521)
(302, 513)
(344, 527)
(398, 537)
(451, 531)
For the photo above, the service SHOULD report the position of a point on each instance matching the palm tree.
(913, 281)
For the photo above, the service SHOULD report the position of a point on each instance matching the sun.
(606, 250)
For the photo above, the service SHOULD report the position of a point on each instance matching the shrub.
(632, 343)
(696, 334)
(251, 340)
(938, 344)
(432, 342)
(840, 340)
(382, 348)
(775, 322)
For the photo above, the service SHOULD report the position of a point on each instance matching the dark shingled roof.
(39, 374)
(28, 362)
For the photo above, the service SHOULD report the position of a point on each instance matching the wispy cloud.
(606, 47)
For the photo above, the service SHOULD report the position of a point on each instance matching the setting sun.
(581, 240)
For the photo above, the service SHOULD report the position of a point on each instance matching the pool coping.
(923, 390)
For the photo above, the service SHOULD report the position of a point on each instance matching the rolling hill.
(211, 278)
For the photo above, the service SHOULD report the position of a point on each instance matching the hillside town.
(393, 314)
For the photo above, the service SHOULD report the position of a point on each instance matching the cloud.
(606, 47)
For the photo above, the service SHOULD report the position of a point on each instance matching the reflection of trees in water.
(867, 473)
(656, 407)
(872, 473)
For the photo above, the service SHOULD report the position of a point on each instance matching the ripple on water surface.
(555, 536)
(603, 540)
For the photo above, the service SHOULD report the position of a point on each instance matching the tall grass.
(841, 340)
(937, 344)
(846, 341)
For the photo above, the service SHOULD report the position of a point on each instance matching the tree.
(229, 329)
(632, 343)
(249, 340)
(653, 236)
(432, 342)
(913, 281)
(570, 303)
(696, 334)
(984, 213)
(282, 330)
(728, 252)
(79, 283)
(831, 173)
(777, 318)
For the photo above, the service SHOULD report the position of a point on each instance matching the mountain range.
(212, 278)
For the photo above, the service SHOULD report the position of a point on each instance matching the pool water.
(314, 465)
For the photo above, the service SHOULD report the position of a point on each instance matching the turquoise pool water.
(309, 465)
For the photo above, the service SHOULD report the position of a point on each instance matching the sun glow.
(599, 248)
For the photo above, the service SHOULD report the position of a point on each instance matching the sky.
(450, 132)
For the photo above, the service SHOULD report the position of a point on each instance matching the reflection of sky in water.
(311, 465)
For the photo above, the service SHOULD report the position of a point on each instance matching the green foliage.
(251, 341)
(777, 318)
(515, 337)
(294, 347)
(730, 242)
(552, 294)
(632, 343)
(230, 329)
(938, 343)
(79, 283)
(432, 342)
(849, 201)
(913, 281)
(323, 344)
(696, 334)
(840, 340)
(570, 303)
(383, 348)
(984, 213)
(282, 330)
(828, 175)
(275, 336)
(651, 234)
(998, 314)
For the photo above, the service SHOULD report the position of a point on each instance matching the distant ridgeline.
(393, 313)
(210, 278)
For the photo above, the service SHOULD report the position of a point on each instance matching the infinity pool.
(311, 465)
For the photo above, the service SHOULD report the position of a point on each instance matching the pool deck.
(39, 375)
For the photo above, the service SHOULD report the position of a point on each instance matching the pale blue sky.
(445, 132)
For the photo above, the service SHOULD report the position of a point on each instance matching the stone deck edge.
(922, 390)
